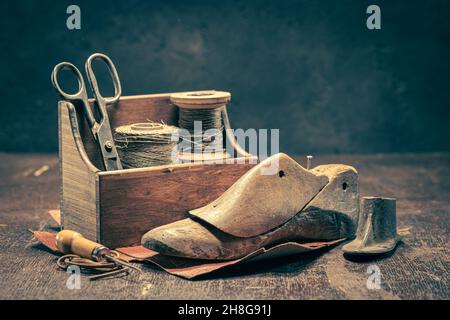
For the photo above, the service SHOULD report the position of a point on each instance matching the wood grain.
(133, 203)
(78, 191)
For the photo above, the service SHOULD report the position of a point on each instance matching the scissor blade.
(108, 148)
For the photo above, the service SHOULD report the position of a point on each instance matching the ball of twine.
(146, 144)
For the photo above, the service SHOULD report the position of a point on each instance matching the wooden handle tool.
(71, 242)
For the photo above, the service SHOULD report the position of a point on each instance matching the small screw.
(108, 146)
(308, 162)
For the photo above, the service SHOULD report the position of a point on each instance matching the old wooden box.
(117, 207)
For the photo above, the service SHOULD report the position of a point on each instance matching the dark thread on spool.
(210, 137)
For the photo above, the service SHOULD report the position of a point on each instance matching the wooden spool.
(209, 99)
(198, 100)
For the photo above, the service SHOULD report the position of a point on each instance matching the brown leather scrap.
(47, 239)
(56, 216)
(192, 268)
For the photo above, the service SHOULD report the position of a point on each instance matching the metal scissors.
(101, 130)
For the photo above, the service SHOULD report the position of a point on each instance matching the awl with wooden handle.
(71, 242)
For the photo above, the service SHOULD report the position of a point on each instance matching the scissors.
(101, 130)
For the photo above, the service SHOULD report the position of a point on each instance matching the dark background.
(310, 68)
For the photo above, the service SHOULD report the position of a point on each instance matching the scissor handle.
(102, 101)
(76, 72)
(81, 95)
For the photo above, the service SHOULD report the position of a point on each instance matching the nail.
(308, 162)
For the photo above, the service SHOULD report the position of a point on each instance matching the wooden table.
(419, 269)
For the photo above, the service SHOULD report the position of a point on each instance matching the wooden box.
(116, 208)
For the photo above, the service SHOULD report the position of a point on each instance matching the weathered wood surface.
(420, 268)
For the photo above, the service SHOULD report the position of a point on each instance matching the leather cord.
(102, 268)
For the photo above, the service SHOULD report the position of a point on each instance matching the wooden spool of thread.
(205, 107)
(146, 144)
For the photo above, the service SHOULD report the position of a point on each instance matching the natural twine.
(146, 144)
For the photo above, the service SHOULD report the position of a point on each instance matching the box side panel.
(136, 202)
(78, 180)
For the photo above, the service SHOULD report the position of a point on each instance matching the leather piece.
(47, 239)
(137, 253)
(193, 268)
(56, 216)
(258, 203)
